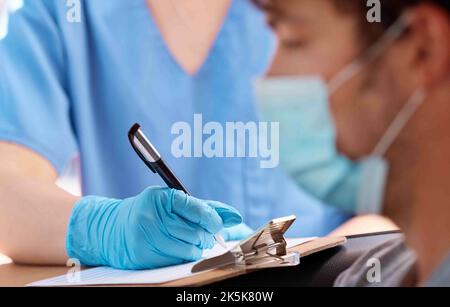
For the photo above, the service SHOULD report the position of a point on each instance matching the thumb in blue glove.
(159, 227)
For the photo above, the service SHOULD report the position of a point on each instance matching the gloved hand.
(159, 227)
(237, 233)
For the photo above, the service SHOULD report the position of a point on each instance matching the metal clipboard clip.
(266, 248)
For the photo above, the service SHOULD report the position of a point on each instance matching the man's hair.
(391, 10)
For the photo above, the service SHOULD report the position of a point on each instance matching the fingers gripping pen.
(151, 157)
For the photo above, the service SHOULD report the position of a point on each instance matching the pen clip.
(265, 248)
(151, 157)
(132, 138)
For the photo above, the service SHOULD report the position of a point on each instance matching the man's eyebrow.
(274, 18)
(275, 14)
(267, 7)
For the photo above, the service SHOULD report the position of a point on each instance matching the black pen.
(151, 157)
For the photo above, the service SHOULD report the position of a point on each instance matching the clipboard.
(266, 248)
(210, 277)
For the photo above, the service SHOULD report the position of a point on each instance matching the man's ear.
(431, 26)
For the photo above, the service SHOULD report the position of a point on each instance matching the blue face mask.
(308, 136)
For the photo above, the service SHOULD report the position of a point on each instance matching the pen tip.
(221, 241)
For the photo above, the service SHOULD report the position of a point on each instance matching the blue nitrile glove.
(237, 233)
(159, 227)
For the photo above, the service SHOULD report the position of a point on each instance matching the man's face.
(318, 39)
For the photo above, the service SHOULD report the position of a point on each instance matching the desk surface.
(13, 275)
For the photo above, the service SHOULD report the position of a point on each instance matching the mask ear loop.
(399, 123)
(388, 38)
(401, 120)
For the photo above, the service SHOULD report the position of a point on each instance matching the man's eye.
(294, 43)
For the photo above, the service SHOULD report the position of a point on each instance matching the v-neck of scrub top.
(161, 40)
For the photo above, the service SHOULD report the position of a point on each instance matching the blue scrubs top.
(76, 88)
